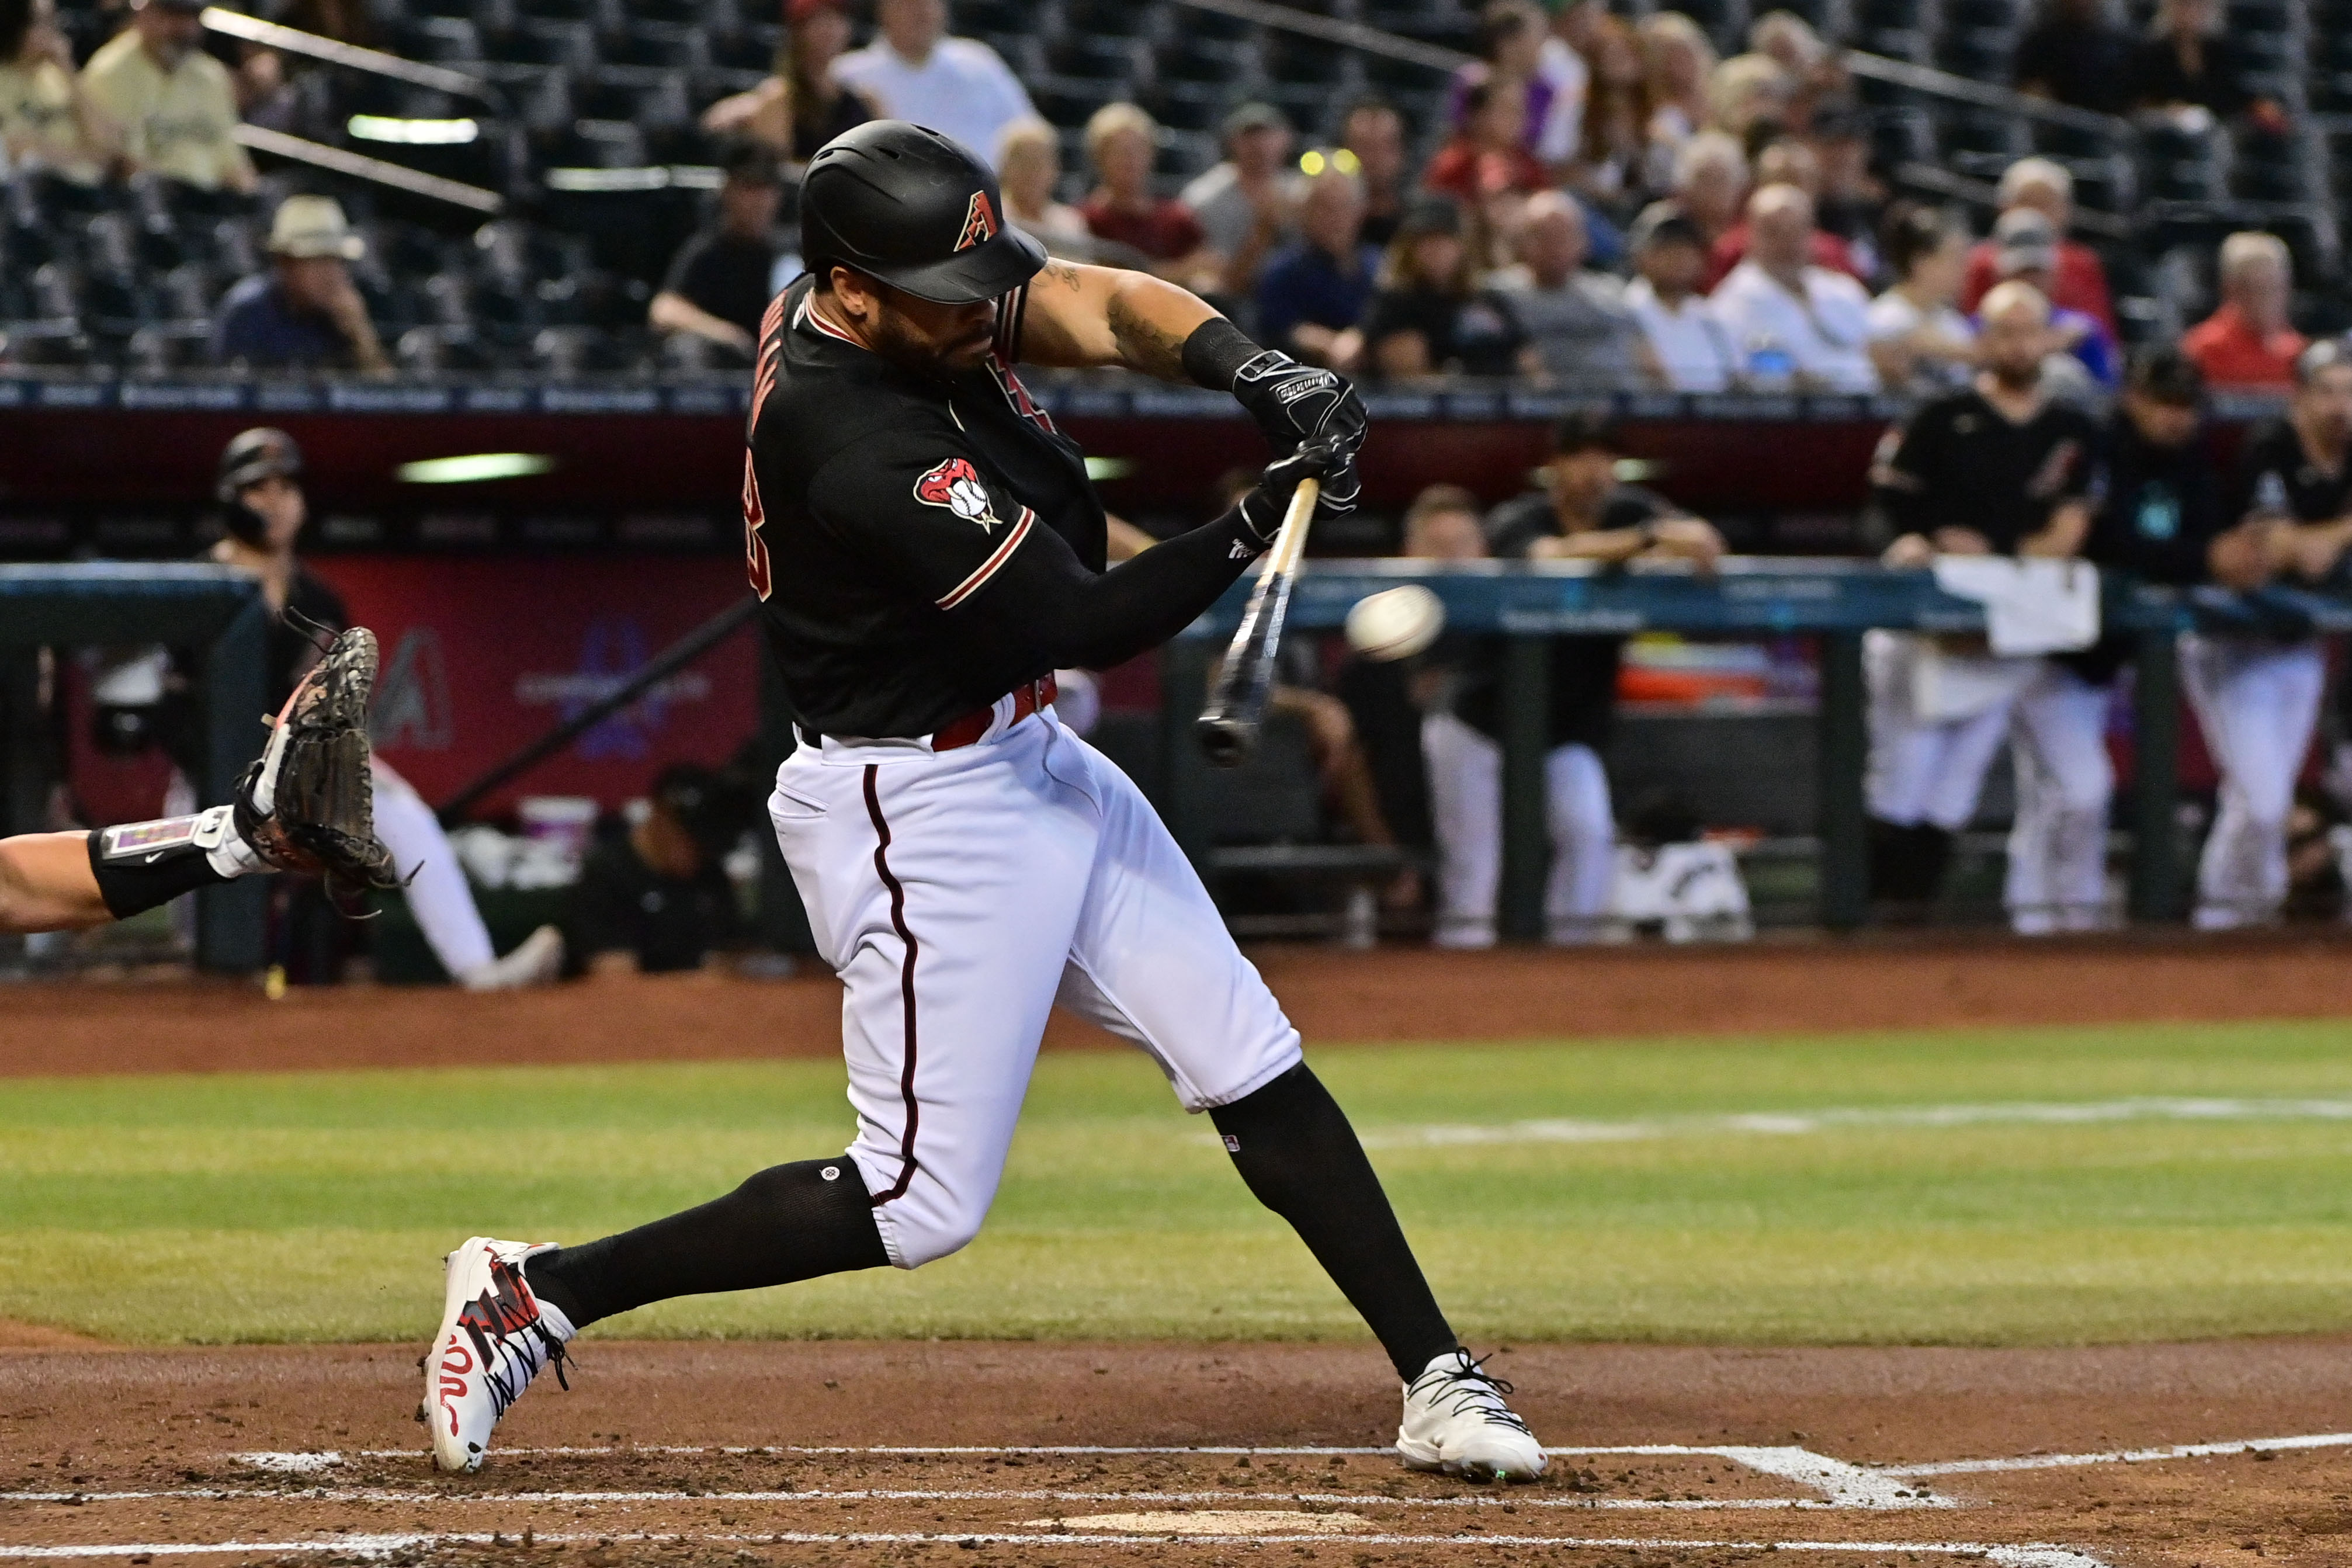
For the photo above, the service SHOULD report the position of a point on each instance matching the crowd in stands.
(1605, 205)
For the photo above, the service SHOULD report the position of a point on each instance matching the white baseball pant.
(437, 892)
(959, 895)
(2258, 703)
(2066, 782)
(1923, 769)
(1465, 799)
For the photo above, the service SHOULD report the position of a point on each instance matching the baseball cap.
(1664, 223)
(2024, 242)
(1585, 430)
(2165, 375)
(802, 10)
(748, 162)
(306, 228)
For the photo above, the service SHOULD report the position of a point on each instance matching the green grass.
(316, 1207)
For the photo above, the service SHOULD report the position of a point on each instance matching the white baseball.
(1395, 622)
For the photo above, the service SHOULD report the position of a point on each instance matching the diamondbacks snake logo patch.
(955, 485)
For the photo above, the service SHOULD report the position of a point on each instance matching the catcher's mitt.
(308, 805)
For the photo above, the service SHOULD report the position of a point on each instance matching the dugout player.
(264, 513)
(928, 551)
(1999, 468)
(2159, 518)
(2256, 694)
(1583, 513)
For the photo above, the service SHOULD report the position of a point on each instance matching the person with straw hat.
(305, 312)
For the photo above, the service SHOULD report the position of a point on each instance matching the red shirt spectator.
(2249, 342)
(1165, 231)
(2079, 280)
(2232, 352)
(1489, 155)
(1731, 250)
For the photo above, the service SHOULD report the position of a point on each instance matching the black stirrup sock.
(1293, 1145)
(789, 1222)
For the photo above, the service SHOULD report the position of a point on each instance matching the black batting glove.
(1294, 403)
(1318, 460)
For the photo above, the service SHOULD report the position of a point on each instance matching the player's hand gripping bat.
(1228, 726)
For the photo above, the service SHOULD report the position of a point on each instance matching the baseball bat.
(1228, 726)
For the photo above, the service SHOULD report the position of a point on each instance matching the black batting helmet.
(254, 456)
(915, 209)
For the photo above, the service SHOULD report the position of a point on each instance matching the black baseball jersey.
(2275, 476)
(879, 505)
(1957, 463)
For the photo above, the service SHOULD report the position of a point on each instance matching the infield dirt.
(1393, 994)
(163, 1432)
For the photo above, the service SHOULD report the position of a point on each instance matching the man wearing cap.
(2256, 690)
(959, 86)
(305, 312)
(927, 550)
(721, 279)
(2026, 251)
(1583, 513)
(2160, 519)
(1692, 348)
(1249, 205)
(172, 101)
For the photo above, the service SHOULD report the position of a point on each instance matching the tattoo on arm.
(1063, 273)
(1144, 345)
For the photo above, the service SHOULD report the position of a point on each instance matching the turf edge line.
(2120, 1456)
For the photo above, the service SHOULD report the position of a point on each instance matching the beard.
(2017, 378)
(897, 342)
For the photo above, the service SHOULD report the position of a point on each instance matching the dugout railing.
(218, 613)
(1836, 601)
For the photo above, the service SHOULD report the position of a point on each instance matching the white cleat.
(1456, 1422)
(539, 960)
(496, 1336)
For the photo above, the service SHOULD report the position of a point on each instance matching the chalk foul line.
(1860, 1119)
(2121, 1456)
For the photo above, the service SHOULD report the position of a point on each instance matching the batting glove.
(1294, 403)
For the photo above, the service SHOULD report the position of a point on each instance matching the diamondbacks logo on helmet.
(978, 222)
(955, 485)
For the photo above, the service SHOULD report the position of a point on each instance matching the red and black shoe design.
(496, 1336)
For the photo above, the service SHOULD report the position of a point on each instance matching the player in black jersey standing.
(928, 551)
(1997, 469)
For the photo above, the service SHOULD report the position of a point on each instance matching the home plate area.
(1648, 1504)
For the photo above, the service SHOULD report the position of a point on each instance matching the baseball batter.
(928, 551)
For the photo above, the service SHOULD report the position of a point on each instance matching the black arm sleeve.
(933, 519)
(1904, 476)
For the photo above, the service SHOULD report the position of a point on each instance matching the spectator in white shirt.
(1918, 338)
(959, 86)
(1799, 327)
(1693, 352)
